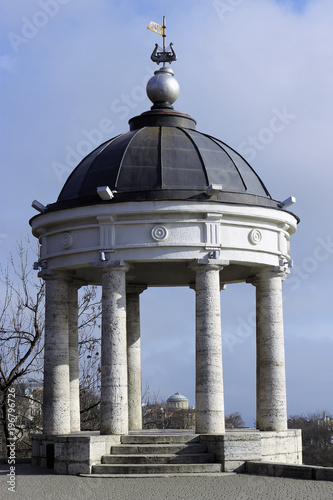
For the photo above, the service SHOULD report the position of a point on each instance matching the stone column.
(56, 394)
(114, 396)
(209, 377)
(134, 356)
(271, 379)
(74, 382)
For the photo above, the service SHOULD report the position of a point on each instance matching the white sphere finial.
(163, 88)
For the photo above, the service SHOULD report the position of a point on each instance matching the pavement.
(32, 483)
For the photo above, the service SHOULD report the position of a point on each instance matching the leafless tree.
(317, 437)
(90, 357)
(21, 344)
(21, 330)
(234, 420)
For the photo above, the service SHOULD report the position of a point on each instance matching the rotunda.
(161, 205)
(177, 401)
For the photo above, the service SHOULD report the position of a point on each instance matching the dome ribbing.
(163, 157)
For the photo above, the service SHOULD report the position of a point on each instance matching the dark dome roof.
(163, 157)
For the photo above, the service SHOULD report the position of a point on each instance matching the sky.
(66, 66)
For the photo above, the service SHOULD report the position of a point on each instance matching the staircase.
(157, 454)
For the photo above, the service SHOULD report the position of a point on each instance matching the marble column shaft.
(74, 381)
(271, 379)
(209, 378)
(134, 357)
(56, 394)
(114, 395)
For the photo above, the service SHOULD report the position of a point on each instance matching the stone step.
(159, 454)
(192, 458)
(159, 438)
(156, 468)
(164, 449)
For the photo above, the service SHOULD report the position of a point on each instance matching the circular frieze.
(159, 233)
(66, 240)
(255, 236)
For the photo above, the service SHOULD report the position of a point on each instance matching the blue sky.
(67, 65)
(297, 5)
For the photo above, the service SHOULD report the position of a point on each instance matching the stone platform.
(82, 453)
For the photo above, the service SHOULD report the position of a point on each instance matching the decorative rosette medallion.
(66, 240)
(255, 236)
(159, 233)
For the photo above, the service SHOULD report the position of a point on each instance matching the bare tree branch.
(21, 343)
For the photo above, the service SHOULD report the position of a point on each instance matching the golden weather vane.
(161, 55)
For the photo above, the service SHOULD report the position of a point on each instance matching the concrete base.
(77, 453)
(313, 472)
(238, 446)
(71, 453)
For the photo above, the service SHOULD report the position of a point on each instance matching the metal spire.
(162, 88)
(160, 55)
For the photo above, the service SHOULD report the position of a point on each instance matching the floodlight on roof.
(289, 201)
(214, 189)
(38, 206)
(105, 193)
(103, 256)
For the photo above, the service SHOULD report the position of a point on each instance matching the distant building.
(29, 418)
(175, 414)
(327, 422)
(177, 401)
(179, 415)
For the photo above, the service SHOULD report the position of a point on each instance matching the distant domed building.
(177, 401)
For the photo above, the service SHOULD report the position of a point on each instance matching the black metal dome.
(163, 157)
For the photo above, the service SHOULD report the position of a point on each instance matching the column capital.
(108, 266)
(267, 273)
(222, 286)
(213, 264)
(47, 274)
(68, 276)
(136, 289)
(77, 283)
